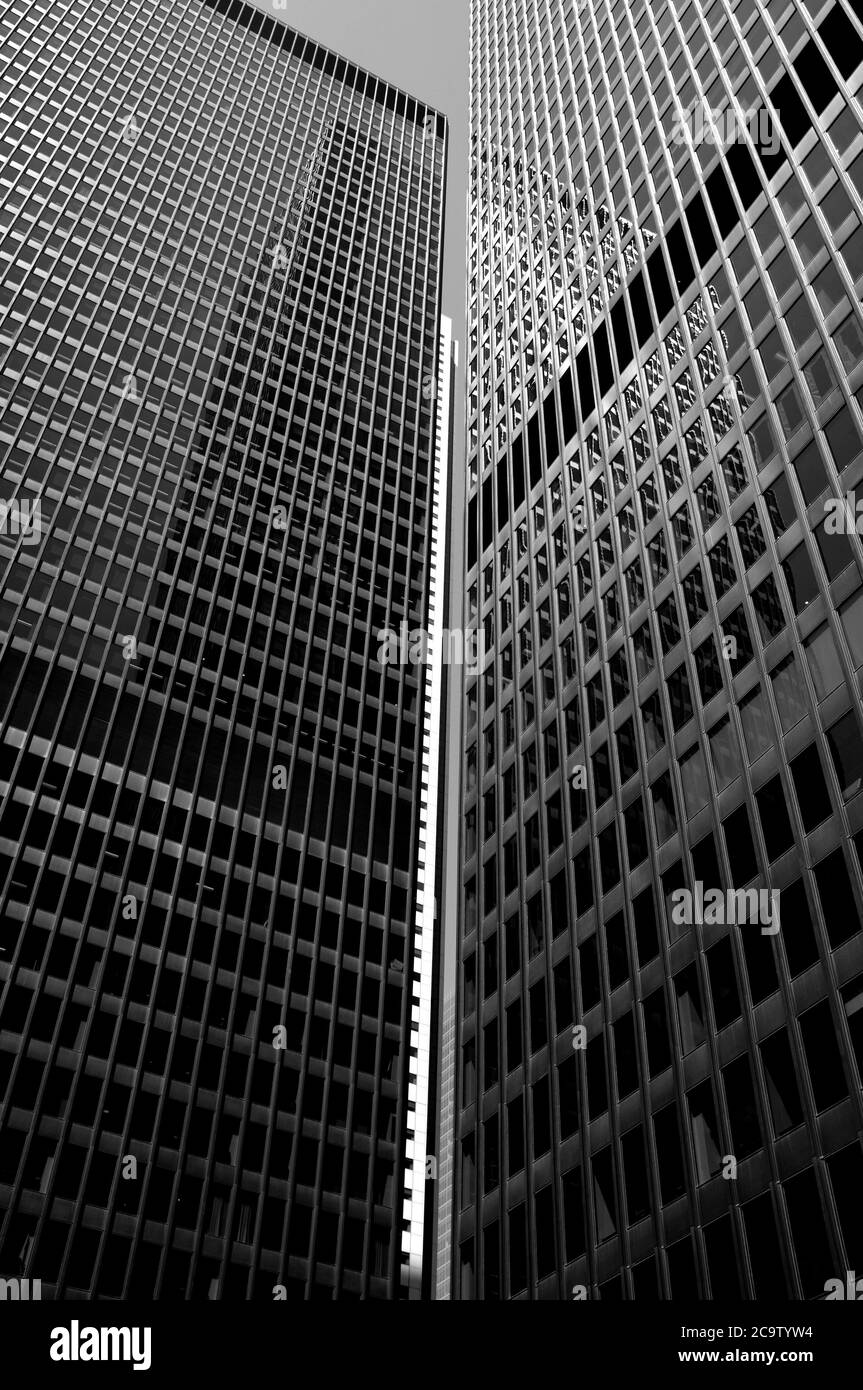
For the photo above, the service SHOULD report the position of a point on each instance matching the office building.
(430, 1167)
(659, 1083)
(220, 273)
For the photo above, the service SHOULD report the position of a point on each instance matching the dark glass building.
(665, 359)
(220, 275)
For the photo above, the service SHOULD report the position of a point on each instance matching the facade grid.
(220, 266)
(664, 390)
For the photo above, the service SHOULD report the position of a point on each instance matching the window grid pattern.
(220, 273)
(702, 696)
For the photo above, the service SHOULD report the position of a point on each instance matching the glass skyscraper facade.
(220, 266)
(664, 373)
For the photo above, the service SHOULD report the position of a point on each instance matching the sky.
(421, 46)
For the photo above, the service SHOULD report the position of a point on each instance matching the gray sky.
(422, 46)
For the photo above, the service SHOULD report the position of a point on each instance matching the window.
(811, 475)
(835, 550)
(671, 1171)
(663, 807)
(849, 343)
(823, 1057)
(786, 1109)
(851, 618)
(844, 1168)
(819, 378)
(604, 1195)
(672, 473)
(765, 1252)
(635, 1174)
(823, 660)
(846, 748)
(798, 933)
(768, 609)
(741, 851)
(723, 982)
(515, 1135)
(773, 813)
(690, 1010)
(812, 795)
(843, 439)
(597, 1086)
(734, 471)
(780, 506)
(696, 786)
(725, 752)
(742, 1108)
(682, 529)
(654, 731)
(518, 1270)
(656, 1032)
(841, 914)
(852, 1000)
(800, 578)
(643, 647)
(722, 566)
(721, 1256)
(773, 357)
(761, 442)
(706, 1139)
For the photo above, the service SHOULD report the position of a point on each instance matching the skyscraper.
(220, 273)
(443, 771)
(659, 1079)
